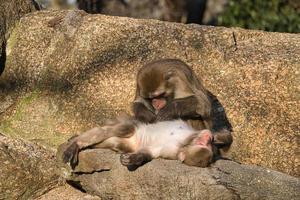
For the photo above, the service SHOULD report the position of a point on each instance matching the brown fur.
(121, 136)
(186, 97)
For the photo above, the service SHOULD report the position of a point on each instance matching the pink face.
(205, 139)
(158, 103)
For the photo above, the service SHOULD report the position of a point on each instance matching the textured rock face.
(26, 170)
(78, 70)
(100, 173)
(10, 12)
(66, 193)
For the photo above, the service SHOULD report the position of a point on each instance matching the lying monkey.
(139, 143)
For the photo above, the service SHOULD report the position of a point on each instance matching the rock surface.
(100, 173)
(68, 71)
(10, 13)
(67, 192)
(26, 170)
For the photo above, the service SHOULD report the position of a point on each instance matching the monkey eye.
(168, 75)
(161, 95)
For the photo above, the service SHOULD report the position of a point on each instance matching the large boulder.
(99, 172)
(66, 192)
(27, 170)
(68, 71)
(10, 13)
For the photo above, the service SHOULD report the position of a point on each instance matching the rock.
(26, 170)
(67, 192)
(165, 179)
(68, 71)
(10, 13)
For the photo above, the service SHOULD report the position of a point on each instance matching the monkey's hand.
(129, 159)
(134, 160)
(71, 154)
(170, 111)
(179, 108)
(167, 113)
(142, 113)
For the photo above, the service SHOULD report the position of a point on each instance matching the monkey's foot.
(71, 154)
(132, 159)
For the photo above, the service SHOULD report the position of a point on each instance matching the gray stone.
(165, 179)
(10, 12)
(26, 169)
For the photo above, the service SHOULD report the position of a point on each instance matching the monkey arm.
(142, 113)
(91, 137)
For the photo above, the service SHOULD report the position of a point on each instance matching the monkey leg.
(121, 127)
(134, 160)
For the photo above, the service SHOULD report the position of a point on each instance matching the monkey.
(168, 89)
(140, 143)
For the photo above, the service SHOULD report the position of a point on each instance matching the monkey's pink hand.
(159, 103)
(205, 139)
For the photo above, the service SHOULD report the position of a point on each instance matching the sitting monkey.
(139, 143)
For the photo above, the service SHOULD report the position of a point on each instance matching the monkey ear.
(181, 156)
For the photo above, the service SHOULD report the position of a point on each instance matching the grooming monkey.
(168, 89)
(139, 143)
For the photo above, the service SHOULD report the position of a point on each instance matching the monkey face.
(159, 85)
(197, 155)
(199, 151)
(159, 91)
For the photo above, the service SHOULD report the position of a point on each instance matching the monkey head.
(198, 152)
(161, 82)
